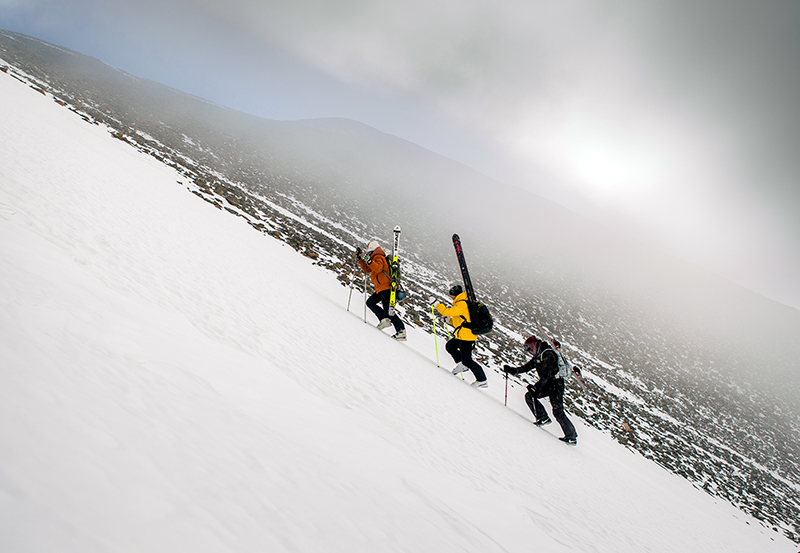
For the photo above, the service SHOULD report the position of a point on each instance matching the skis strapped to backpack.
(394, 271)
(481, 321)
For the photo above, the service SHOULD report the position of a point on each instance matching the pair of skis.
(481, 321)
(462, 264)
(394, 271)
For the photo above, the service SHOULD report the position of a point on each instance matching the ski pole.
(505, 401)
(435, 339)
(365, 299)
(461, 374)
(352, 283)
(577, 372)
(349, 297)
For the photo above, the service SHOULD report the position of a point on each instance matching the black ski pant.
(555, 391)
(461, 352)
(382, 311)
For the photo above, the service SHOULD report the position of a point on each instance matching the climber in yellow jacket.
(461, 345)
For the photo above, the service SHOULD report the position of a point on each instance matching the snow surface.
(173, 380)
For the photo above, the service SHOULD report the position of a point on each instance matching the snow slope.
(173, 380)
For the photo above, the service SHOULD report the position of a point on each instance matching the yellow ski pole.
(435, 339)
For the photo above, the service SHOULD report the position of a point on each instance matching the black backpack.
(481, 319)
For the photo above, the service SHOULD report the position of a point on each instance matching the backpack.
(481, 319)
(565, 368)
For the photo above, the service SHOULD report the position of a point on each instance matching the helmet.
(532, 345)
(455, 289)
(372, 245)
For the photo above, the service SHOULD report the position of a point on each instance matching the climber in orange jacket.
(373, 262)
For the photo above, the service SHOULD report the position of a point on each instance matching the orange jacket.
(378, 270)
(459, 314)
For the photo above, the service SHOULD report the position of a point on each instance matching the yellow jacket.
(459, 314)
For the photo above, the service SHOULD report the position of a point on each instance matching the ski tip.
(456, 238)
(397, 229)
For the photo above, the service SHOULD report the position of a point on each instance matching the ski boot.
(385, 322)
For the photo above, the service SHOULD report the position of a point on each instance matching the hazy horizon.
(675, 124)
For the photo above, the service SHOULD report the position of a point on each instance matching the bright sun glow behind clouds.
(609, 169)
(597, 159)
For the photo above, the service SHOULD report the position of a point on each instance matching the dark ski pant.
(461, 352)
(382, 311)
(555, 391)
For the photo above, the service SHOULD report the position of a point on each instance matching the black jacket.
(546, 365)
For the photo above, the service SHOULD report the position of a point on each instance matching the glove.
(358, 253)
(532, 388)
(432, 300)
(577, 370)
(507, 368)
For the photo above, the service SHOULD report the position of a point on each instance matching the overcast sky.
(678, 121)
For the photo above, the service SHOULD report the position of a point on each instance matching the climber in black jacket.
(545, 361)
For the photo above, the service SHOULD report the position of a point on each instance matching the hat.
(532, 345)
(372, 245)
(455, 289)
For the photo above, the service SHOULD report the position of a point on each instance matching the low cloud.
(678, 117)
